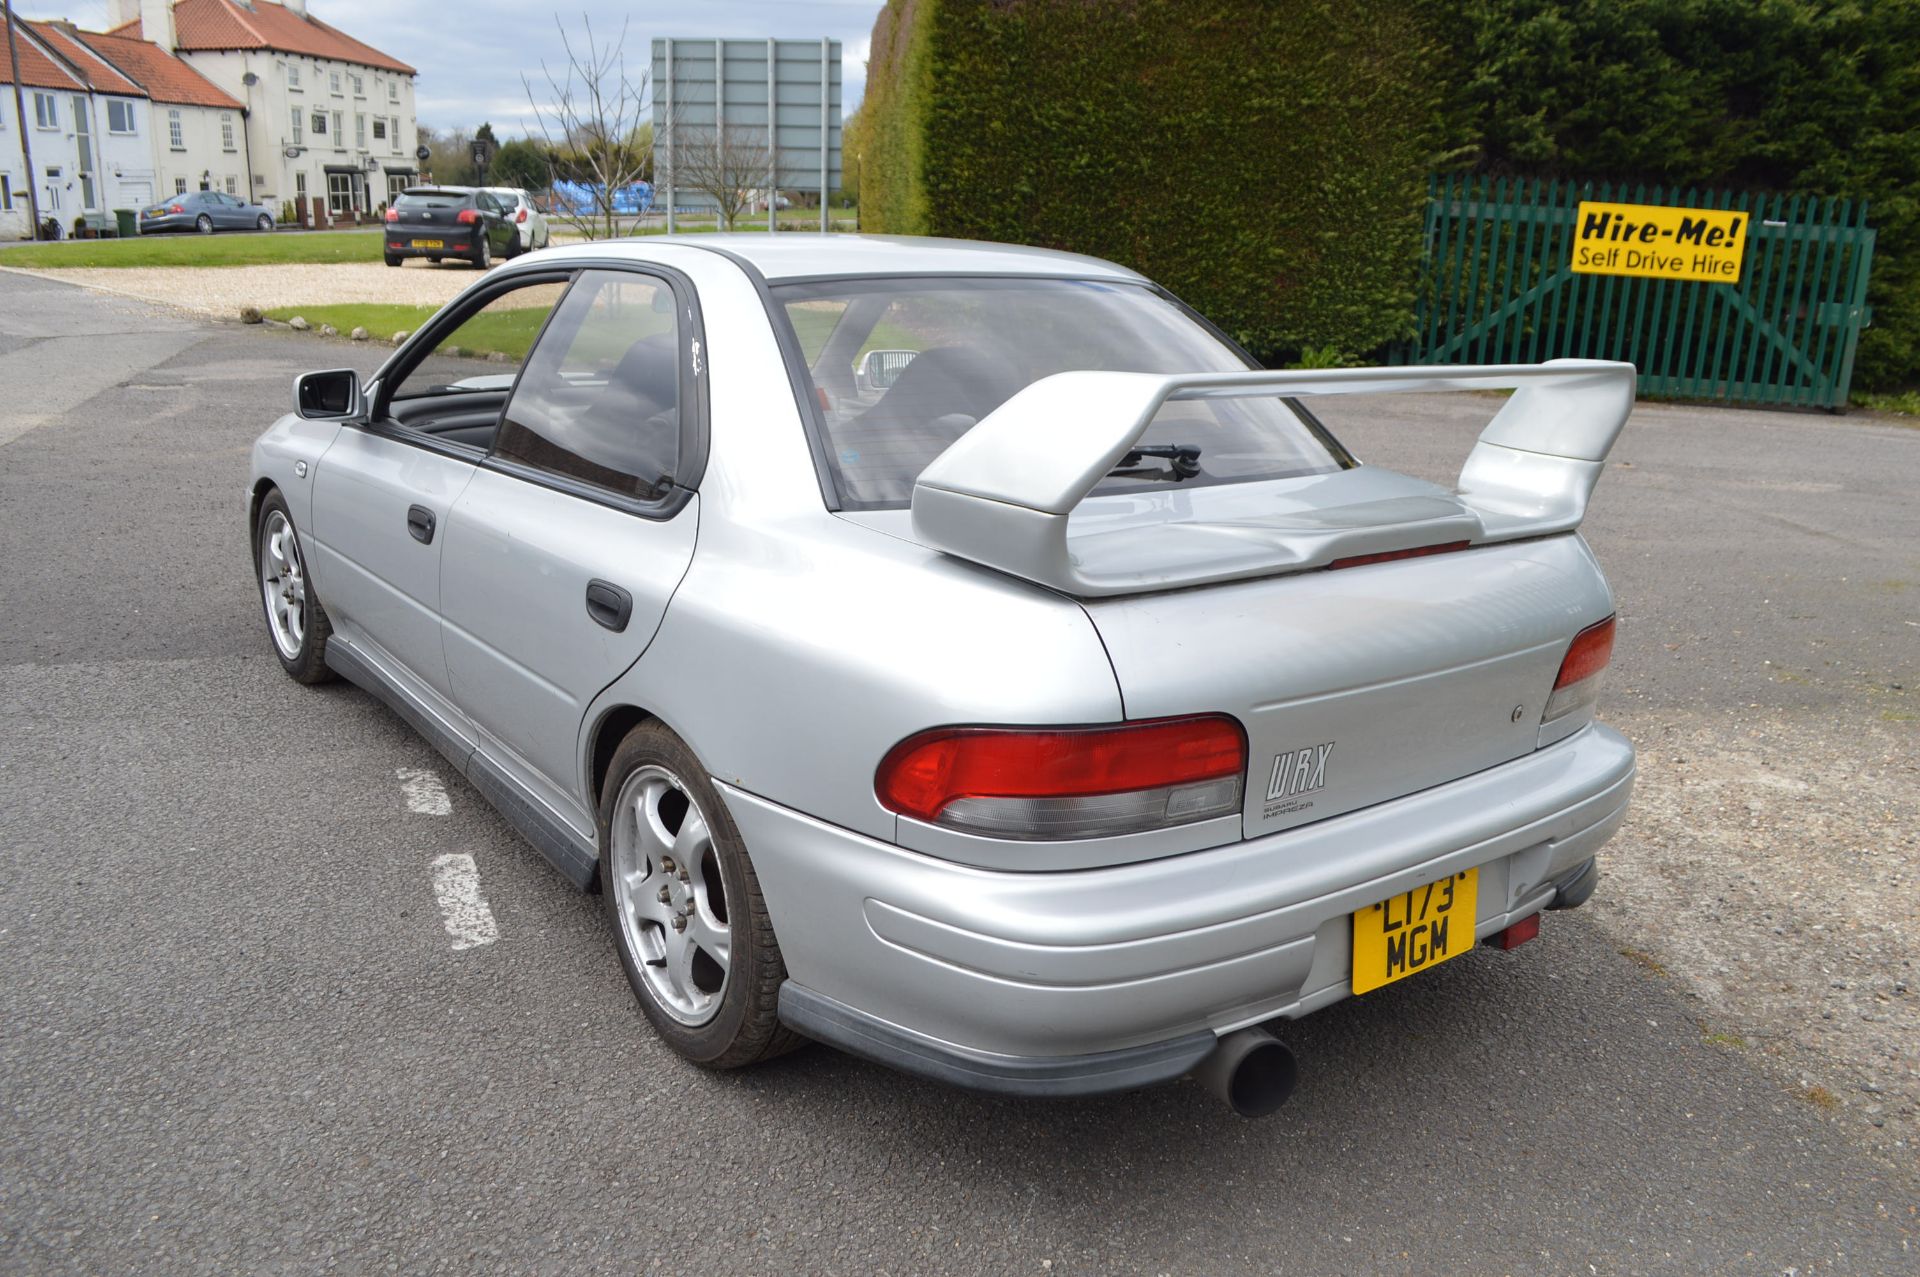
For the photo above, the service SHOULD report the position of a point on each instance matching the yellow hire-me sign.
(1656, 242)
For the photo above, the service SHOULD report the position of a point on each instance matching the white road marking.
(426, 796)
(462, 908)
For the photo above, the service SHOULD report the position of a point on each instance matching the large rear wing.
(1002, 493)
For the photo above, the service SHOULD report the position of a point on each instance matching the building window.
(233, 185)
(333, 81)
(300, 192)
(6, 192)
(293, 75)
(396, 135)
(360, 131)
(176, 138)
(226, 130)
(339, 132)
(397, 183)
(393, 90)
(359, 86)
(119, 117)
(380, 128)
(299, 119)
(46, 111)
(179, 186)
(340, 192)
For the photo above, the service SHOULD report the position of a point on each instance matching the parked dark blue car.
(206, 212)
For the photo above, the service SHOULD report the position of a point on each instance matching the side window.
(600, 401)
(486, 351)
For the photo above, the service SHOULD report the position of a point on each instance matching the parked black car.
(435, 222)
(206, 212)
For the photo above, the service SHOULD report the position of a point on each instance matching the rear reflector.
(1418, 552)
(1072, 782)
(1577, 686)
(1517, 934)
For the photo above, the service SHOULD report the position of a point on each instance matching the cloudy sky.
(470, 69)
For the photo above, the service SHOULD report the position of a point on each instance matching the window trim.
(695, 431)
(133, 120)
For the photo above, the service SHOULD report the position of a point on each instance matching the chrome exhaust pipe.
(1251, 1070)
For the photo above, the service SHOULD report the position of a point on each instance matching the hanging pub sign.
(1657, 242)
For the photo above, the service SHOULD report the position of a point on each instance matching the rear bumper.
(951, 970)
(401, 245)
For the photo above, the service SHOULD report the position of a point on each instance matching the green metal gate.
(1497, 286)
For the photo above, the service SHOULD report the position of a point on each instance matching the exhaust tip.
(1251, 1070)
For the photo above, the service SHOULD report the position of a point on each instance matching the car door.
(228, 212)
(563, 551)
(499, 226)
(383, 492)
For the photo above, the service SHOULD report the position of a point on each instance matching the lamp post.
(20, 115)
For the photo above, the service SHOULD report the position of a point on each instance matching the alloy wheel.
(669, 895)
(283, 583)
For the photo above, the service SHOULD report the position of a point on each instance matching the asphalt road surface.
(239, 1037)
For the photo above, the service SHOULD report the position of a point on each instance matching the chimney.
(156, 23)
(296, 7)
(121, 12)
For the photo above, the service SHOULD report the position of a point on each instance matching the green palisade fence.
(1497, 287)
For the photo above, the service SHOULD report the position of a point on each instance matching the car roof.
(802, 256)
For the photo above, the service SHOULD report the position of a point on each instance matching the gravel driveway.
(220, 291)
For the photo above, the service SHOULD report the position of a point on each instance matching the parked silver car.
(959, 653)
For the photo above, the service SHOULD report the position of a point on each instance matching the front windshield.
(902, 368)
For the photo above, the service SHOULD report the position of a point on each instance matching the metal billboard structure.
(761, 116)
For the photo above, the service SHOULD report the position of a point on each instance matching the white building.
(88, 127)
(196, 130)
(324, 115)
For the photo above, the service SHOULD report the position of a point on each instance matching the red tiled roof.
(88, 65)
(165, 77)
(37, 70)
(225, 24)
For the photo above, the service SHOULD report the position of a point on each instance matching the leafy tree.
(523, 163)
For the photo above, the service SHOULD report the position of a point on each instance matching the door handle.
(609, 605)
(420, 524)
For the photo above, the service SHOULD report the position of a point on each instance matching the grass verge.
(200, 250)
(504, 332)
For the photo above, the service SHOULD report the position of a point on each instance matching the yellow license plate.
(429, 243)
(1409, 933)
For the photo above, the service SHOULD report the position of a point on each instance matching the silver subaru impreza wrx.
(963, 654)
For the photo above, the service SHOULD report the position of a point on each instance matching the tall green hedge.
(1805, 96)
(1265, 159)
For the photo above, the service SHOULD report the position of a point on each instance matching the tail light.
(176, 208)
(1578, 684)
(521, 216)
(1067, 782)
(393, 215)
(469, 216)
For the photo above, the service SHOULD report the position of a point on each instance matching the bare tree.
(728, 163)
(593, 111)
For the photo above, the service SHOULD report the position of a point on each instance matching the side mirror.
(879, 369)
(322, 395)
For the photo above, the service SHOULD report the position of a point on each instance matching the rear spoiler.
(1002, 493)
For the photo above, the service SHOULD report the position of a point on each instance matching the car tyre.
(433, 259)
(203, 224)
(296, 622)
(717, 1009)
(391, 260)
(483, 260)
(265, 223)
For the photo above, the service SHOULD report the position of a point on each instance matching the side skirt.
(569, 853)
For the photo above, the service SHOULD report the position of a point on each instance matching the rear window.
(432, 199)
(903, 367)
